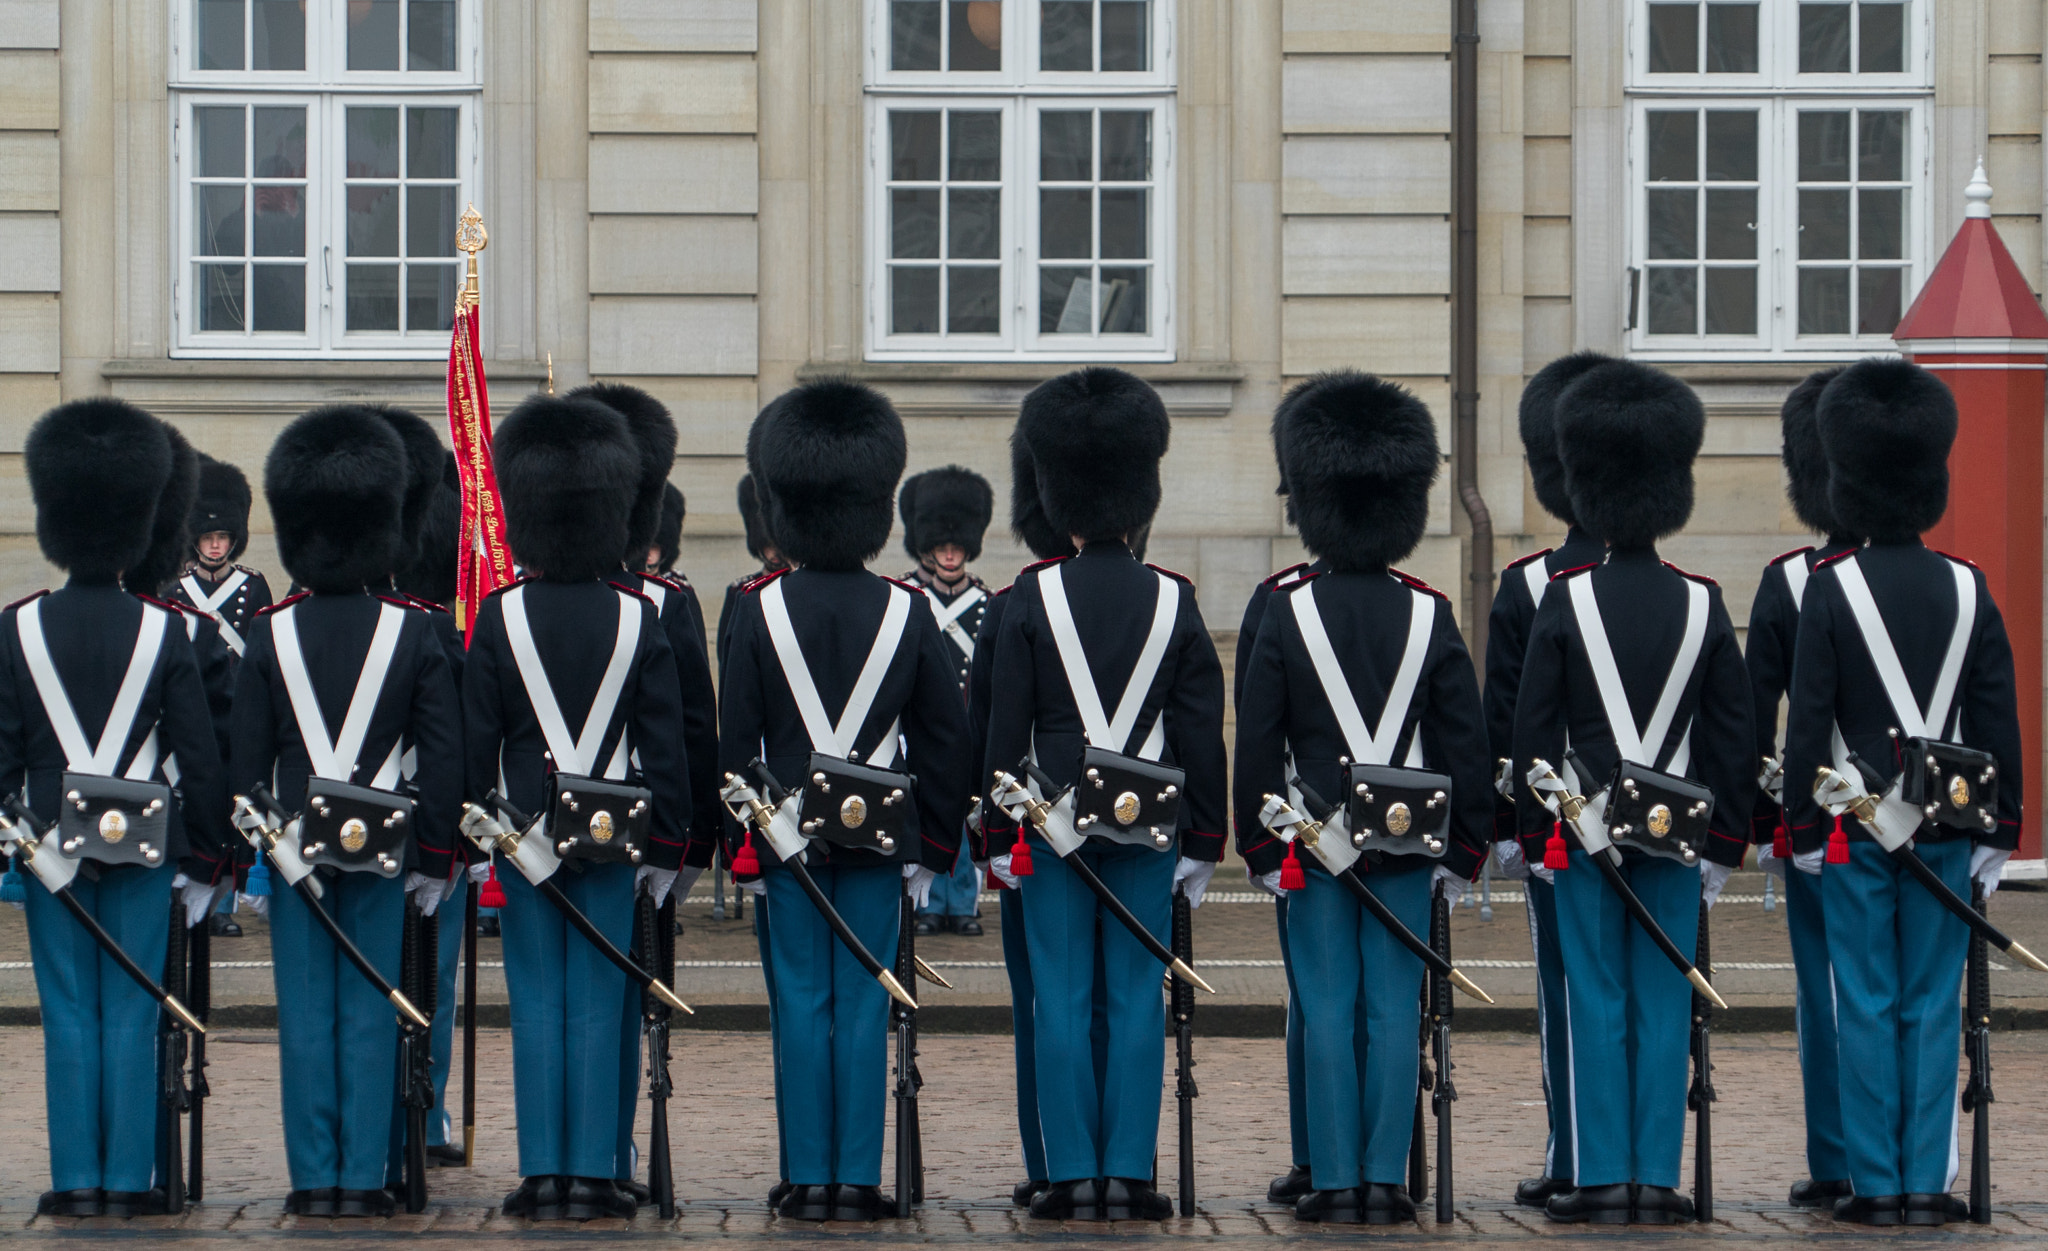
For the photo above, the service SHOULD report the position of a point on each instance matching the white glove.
(1192, 876)
(918, 881)
(759, 886)
(1985, 865)
(1810, 861)
(1000, 866)
(1770, 862)
(199, 897)
(258, 904)
(980, 873)
(1454, 886)
(430, 891)
(480, 872)
(1267, 882)
(1507, 854)
(1545, 875)
(686, 878)
(1713, 877)
(653, 883)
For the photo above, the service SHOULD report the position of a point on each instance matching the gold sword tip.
(469, 1146)
(183, 1014)
(2027, 958)
(1469, 986)
(1184, 973)
(1706, 988)
(666, 995)
(895, 989)
(410, 1013)
(929, 974)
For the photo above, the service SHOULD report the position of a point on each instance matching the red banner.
(482, 563)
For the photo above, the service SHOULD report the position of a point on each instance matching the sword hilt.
(1863, 807)
(1569, 806)
(1034, 808)
(1307, 829)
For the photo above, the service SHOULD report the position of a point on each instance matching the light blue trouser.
(1017, 962)
(774, 1039)
(955, 894)
(1898, 960)
(565, 1020)
(1297, 1093)
(1356, 978)
(99, 1027)
(1107, 1125)
(831, 1019)
(448, 959)
(337, 1037)
(1629, 1013)
(1552, 1033)
(1814, 1002)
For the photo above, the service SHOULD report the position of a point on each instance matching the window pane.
(1731, 301)
(913, 300)
(1823, 38)
(1881, 39)
(373, 45)
(1126, 29)
(977, 35)
(430, 217)
(1674, 39)
(1065, 147)
(914, 222)
(279, 41)
(1673, 145)
(280, 303)
(1674, 224)
(372, 297)
(1731, 146)
(913, 146)
(1881, 146)
(1731, 39)
(1065, 300)
(220, 34)
(217, 140)
(973, 299)
(1063, 223)
(430, 297)
(1879, 297)
(1881, 225)
(373, 221)
(430, 35)
(1126, 146)
(914, 34)
(976, 151)
(431, 142)
(1066, 35)
(1823, 147)
(1123, 300)
(220, 297)
(1823, 301)
(1823, 225)
(1123, 224)
(373, 143)
(219, 219)
(280, 143)
(974, 224)
(280, 221)
(1731, 225)
(1673, 297)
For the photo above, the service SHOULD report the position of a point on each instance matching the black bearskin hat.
(1806, 464)
(1027, 511)
(1627, 435)
(568, 468)
(223, 503)
(336, 482)
(170, 534)
(668, 536)
(1539, 429)
(424, 455)
(1887, 426)
(1360, 454)
(655, 433)
(940, 506)
(431, 575)
(826, 457)
(749, 499)
(1096, 437)
(96, 469)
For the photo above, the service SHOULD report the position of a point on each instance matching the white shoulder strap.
(841, 738)
(210, 604)
(656, 591)
(1102, 731)
(1367, 747)
(1537, 574)
(1607, 675)
(79, 756)
(336, 758)
(1797, 571)
(949, 615)
(576, 755)
(1877, 640)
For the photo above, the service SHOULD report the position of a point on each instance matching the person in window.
(214, 584)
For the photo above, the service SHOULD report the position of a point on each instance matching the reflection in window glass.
(1094, 207)
(1852, 229)
(1700, 218)
(249, 218)
(262, 35)
(400, 230)
(1079, 36)
(1852, 37)
(954, 36)
(945, 203)
(1695, 38)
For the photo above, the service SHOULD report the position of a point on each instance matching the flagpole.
(483, 562)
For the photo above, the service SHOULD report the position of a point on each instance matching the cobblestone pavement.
(724, 1136)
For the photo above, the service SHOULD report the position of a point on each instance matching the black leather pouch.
(1127, 800)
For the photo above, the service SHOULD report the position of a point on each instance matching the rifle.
(199, 988)
(469, 938)
(1183, 1004)
(657, 927)
(419, 948)
(903, 1017)
(1418, 1164)
(1439, 1025)
(173, 1099)
(1977, 1096)
(1701, 1097)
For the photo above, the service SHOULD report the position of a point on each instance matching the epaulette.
(905, 583)
(398, 600)
(424, 605)
(1036, 565)
(754, 584)
(1307, 576)
(673, 581)
(633, 591)
(1701, 578)
(1517, 564)
(1271, 581)
(1961, 560)
(500, 590)
(1797, 551)
(1822, 564)
(254, 573)
(286, 602)
(175, 609)
(1004, 591)
(1411, 580)
(1566, 573)
(25, 599)
(1178, 577)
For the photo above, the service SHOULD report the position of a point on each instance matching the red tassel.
(1291, 876)
(493, 893)
(1555, 855)
(1781, 842)
(748, 861)
(1020, 859)
(1838, 844)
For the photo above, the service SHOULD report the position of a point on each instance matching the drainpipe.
(1465, 313)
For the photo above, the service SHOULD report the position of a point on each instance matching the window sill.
(996, 389)
(197, 388)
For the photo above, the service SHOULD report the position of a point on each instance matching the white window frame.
(1020, 92)
(327, 89)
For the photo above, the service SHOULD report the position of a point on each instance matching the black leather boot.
(1331, 1207)
(641, 1193)
(1599, 1205)
(365, 1203)
(127, 1203)
(1812, 1193)
(1069, 1201)
(445, 1155)
(71, 1202)
(1929, 1209)
(550, 1199)
(1290, 1186)
(1661, 1205)
(1024, 1192)
(1534, 1192)
(967, 927)
(806, 1203)
(778, 1192)
(1869, 1209)
(860, 1203)
(518, 1202)
(1124, 1199)
(323, 1202)
(1387, 1205)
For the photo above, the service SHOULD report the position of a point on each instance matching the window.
(325, 149)
(1779, 159)
(1020, 195)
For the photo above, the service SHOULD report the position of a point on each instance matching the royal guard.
(69, 725)
(1773, 628)
(570, 692)
(1098, 632)
(1522, 587)
(760, 546)
(945, 514)
(839, 685)
(1902, 705)
(214, 584)
(667, 546)
(1359, 667)
(1632, 664)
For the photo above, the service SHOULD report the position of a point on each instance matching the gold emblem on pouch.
(853, 813)
(1659, 820)
(1400, 819)
(601, 827)
(354, 834)
(1126, 809)
(1959, 791)
(113, 825)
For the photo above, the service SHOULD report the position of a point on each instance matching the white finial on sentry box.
(1978, 193)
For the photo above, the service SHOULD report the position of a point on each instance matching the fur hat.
(827, 456)
(336, 482)
(1539, 429)
(431, 575)
(568, 468)
(749, 500)
(223, 503)
(941, 506)
(424, 454)
(655, 432)
(1027, 511)
(96, 469)
(170, 534)
(1360, 454)
(1806, 465)
(668, 535)
(1627, 435)
(1096, 437)
(1887, 426)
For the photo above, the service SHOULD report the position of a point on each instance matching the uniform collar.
(1644, 555)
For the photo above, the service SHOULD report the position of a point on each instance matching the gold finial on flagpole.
(551, 373)
(471, 238)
